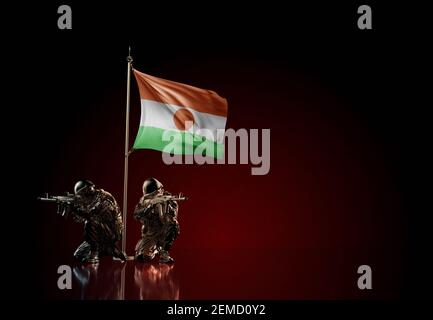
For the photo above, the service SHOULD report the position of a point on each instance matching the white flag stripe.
(160, 115)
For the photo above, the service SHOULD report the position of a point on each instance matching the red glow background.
(327, 205)
(333, 199)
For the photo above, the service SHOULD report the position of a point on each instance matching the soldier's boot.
(142, 258)
(143, 255)
(165, 257)
(117, 253)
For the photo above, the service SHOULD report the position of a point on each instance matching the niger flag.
(180, 117)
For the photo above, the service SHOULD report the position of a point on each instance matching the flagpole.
(125, 173)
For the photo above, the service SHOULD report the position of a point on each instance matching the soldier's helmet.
(151, 185)
(82, 185)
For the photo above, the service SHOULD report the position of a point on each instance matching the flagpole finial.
(129, 57)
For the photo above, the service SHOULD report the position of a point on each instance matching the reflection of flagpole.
(122, 283)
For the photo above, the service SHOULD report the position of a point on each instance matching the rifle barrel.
(47, 199)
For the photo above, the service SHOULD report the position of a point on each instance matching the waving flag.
(170, 108)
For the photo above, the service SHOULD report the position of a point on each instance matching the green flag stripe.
(151, 138)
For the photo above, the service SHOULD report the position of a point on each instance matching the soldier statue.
(101, 216)
(102, 219)
(157, 211)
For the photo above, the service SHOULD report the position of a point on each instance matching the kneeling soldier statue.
(102, 219)
(157, 211)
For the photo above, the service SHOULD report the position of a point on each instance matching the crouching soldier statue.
(102, 219)
(157, 211)
(101, 216)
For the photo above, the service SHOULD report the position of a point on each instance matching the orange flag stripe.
(179, 94)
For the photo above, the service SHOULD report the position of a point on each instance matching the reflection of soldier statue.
(157, 211)
(156, 281)
(101, 216)
(101, 282)
(102, 223)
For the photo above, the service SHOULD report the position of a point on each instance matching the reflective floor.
(231, 274)
(107, 280)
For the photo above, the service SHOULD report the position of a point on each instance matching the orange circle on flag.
(182, 116)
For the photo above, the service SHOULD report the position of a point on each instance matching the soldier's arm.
(159, 211)
(171, 213)
(173, 206)
(78, 218)
(140, 210)
(79, 213)
(82, 212)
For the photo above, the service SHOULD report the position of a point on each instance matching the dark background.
(347, 136)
